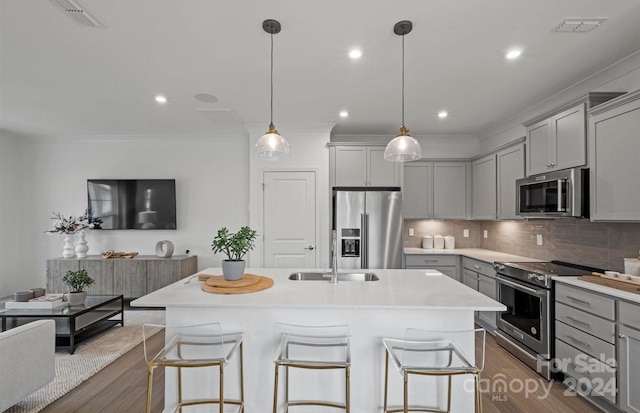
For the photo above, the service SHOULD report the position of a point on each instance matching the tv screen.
(132, 203)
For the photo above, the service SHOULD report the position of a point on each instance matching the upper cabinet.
(435, 190)
(494, 183)
(362, 165)
(559, 140)
(614, 148)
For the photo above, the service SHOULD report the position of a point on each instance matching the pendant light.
(272, 146)
(403, 148)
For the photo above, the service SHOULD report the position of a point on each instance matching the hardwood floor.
(121, 388)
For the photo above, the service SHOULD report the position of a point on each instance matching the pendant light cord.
(403, 34)
(272, 78)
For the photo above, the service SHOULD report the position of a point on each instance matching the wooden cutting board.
(262, 283)
(219, 281)
(625, 285)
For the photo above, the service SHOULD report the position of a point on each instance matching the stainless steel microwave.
(563, 193)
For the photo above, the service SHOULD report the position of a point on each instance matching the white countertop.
(614, 292)
(396, 289)
(477, 253)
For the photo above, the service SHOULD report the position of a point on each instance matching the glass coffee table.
(73, 323)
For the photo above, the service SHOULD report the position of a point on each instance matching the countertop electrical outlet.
(539, 239)
(411, 232)
(465, 233)
(485, 233)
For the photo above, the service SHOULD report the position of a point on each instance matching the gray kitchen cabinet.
(510, 166)
(584, 322)
(558, 140)
(417, 196)
(130, 277)
(494, 183)
(484, 188)
(362, 165)
(613, 159)
(629, 356)
(450, 190)
(435, 190)
(481, 276)
(446, 264)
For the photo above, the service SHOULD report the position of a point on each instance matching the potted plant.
(76, 281)
(234, 246)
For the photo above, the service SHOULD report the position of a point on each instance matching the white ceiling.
(58, 78)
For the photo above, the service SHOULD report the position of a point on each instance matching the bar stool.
(312, 348)
(433, 353)
(194, 346)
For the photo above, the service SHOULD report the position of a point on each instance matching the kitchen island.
(374, 309)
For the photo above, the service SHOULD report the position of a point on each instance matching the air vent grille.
(578, 24)
(78, 12)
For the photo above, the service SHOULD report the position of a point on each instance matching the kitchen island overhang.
(400, 299)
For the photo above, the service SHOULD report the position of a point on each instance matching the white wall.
(211, 183)
(13, 226)
(309, 151)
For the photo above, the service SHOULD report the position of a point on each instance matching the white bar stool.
(194, 346)
(434, 353)
(313, 348)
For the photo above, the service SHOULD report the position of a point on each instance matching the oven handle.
(519, 287)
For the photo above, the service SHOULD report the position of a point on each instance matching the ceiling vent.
(78, 12)
(578, 24)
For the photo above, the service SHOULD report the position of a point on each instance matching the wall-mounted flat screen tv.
(132, 203)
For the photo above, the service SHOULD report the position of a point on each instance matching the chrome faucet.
(334, 258)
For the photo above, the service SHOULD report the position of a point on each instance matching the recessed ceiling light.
(512, 54)
(160, 98)
(443, 114)
(355, 54)
(344, 114)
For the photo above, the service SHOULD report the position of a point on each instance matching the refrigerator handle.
(364, 241)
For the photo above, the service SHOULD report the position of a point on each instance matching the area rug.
(90, 357)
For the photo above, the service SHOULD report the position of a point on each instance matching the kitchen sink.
(342, 276)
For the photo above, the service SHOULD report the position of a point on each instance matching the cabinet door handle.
(579, 301)
(575, 320)
(310, 248)
(477, 267)
(578, 341)
(622, 336)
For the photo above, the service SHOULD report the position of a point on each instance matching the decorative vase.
(67, 250)
(81, 245)
(76, 298)
(232, 270)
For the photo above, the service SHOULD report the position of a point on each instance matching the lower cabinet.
(629, 356)
(597, 362)
(481, 276)
(446, 264)
(131, 277)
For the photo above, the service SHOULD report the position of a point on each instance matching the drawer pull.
(573, 366)
(476, 267)
(430, 260)
(622, 336)
(587, 303)
(578, 341)
(575, 320)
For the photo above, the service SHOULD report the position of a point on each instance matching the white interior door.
(290, 219)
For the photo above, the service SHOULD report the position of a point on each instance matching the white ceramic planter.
(232, 270)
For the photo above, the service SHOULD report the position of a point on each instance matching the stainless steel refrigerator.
(368, 222)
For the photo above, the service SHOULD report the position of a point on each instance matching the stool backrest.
(444, 349)
(312, 343)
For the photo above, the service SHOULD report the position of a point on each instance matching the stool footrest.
(315, 403)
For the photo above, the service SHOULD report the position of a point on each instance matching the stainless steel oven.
(526, 329)
(527, 316)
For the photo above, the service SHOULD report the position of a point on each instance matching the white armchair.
(27, 360)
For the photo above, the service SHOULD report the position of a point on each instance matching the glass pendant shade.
(272, 146)
(403, 148)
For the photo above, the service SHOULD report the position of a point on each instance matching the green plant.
(234, 246)
(77, 280)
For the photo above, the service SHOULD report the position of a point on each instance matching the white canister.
(449, 242)
(632, 266)
(427, 242)
(438, 241)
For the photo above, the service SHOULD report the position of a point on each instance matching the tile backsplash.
(597, 244)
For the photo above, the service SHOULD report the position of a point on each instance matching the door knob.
(310, 248)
